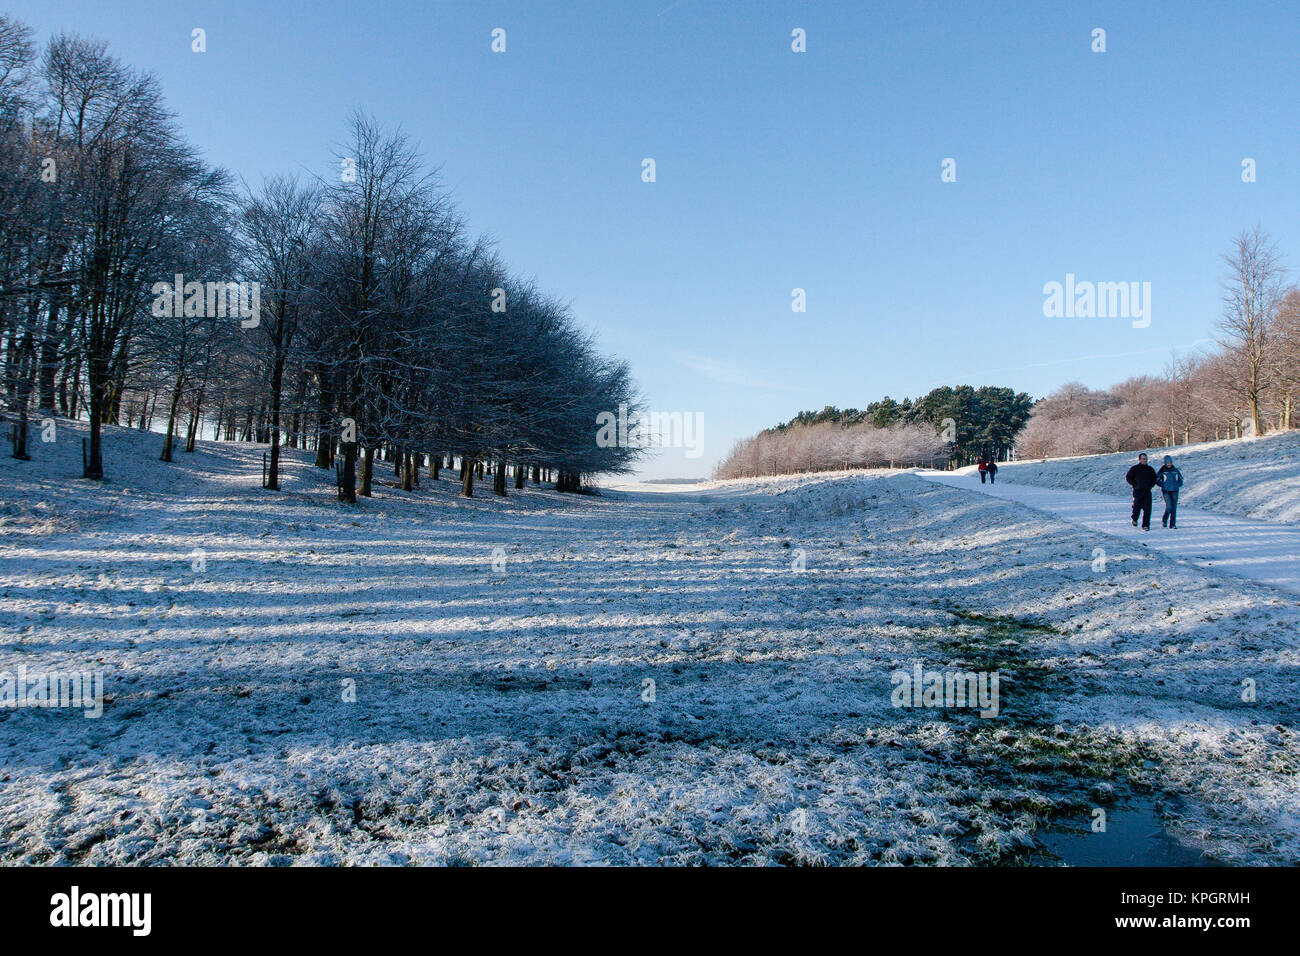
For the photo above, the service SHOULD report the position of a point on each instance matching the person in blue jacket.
(1170, 480)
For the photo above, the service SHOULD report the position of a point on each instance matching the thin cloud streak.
(725, 372)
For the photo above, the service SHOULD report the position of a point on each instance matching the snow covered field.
(502, 713)
(1259, 478)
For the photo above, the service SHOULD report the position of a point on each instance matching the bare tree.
(280, 232)
(1252, 293)
(1286, 356)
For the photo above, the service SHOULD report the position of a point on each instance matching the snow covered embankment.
(1257, 478)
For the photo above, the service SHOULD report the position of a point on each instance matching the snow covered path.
(1264, 552)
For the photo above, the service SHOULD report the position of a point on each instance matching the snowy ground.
(500, 713)
(1257, 478)
(1264, 551)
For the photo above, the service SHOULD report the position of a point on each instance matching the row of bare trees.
(833, 446)
(383, 329)
(1246, 386)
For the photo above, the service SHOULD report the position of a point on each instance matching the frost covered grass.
(501, 716)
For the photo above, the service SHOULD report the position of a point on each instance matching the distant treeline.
(1247, 384)
(948, 426)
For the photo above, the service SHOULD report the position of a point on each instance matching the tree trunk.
(277, 382)
(367, 472)
(296, 438)
(98, 385)
(74, 396)
(499, 478)
(177, 390)
(71, 363)
(324, 437)
(192, 429)
(191, 436)
(348, 486)
(467, 477)
(113, 407)
(49, 362)
(22, 368)
(20, 436)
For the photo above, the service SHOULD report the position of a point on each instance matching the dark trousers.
(1142, 505)
(1170, 518)
(993, 477)
(983, 476)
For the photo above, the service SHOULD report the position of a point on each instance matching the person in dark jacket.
(1170, 480)
(1142, 477)
(993, 471)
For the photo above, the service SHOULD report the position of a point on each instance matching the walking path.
(1259, 550)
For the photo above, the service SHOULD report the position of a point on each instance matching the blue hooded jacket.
(1170, 479)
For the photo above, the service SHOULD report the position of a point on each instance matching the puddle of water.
(1134, 836)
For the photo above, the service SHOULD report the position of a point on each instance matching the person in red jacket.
(984, 470)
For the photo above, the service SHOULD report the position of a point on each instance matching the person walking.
(984, 469)
(1170, 480)
(993, 471)
(1142, 478)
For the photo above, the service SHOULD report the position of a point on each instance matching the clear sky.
(776, 170)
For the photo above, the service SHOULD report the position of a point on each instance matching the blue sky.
(778, 170)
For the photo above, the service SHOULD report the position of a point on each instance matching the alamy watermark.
(130, 910)
(1098, 300)
(82, 689)
(651, 430)
(921, 688)
(213, 300)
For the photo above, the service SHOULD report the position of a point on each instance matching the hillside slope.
(1257, 478)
